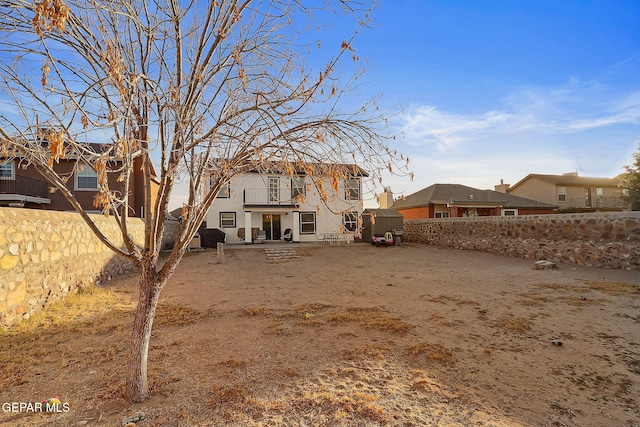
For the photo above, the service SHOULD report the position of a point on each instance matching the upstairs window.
(297, 186)
(225, 191)
(86, 178)
(562, 194)
(352, 189)
(7, 171)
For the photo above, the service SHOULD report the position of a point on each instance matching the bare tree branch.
(194, 91)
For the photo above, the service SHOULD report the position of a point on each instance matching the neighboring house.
(570, 191)
(259, 206)
(24, 187)
(455, 200)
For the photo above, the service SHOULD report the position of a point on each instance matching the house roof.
(462, 195)
(570, 180)
(296, 167)
(383, 213)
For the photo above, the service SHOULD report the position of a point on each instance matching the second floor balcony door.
(274, 190)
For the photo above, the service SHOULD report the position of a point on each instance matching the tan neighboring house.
(569, 192)
(455, 200)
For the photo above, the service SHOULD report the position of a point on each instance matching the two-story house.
(22, 186)
(569, 191)
(271, 206)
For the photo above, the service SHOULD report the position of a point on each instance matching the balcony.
(610, 203)
(24, 186)
(269, 197)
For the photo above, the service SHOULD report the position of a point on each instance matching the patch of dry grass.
(344, 405)
(565, 288)
(76, 312)
(516, 324)
(256, 311)
(93, 311)
(314, 314)
(615, 288)
(431, 352)
(533, 299)
(303, 311)
(177, 315)
(232, 363)
(458, 301)
(371, 317)
(367, 351)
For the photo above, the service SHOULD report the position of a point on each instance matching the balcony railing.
(25, 186)
(611, 202)
(269, 197)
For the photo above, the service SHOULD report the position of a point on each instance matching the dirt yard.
(349, 335)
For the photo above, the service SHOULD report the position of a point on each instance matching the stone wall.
(44, 255)
(610, 240)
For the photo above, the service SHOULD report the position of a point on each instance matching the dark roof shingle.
(457, 193)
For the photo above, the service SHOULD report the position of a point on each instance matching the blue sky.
(498, 89)
(486, 90)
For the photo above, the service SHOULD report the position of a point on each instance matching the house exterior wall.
(536, 189)
(424, 212)
(417, 212)
(577, 196)
(328, 217)
(522, 211)
(84, 197)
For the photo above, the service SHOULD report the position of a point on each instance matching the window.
(297, 186)
(225, 191)
(442, 214)
(562, 194)
(7, 172)
(598, 192)
(350, 220)
(274, 189)
(227, 220)
(509, 212)
(86, 178)
(352, 189)
(307, 222)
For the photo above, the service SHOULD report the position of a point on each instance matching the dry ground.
(344, 336)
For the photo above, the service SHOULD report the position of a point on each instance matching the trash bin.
(398, 234)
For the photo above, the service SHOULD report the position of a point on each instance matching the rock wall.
(610, 240)
(44, 255)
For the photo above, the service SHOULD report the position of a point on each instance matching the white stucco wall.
(328, 216)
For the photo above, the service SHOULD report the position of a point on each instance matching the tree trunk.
(137, 387)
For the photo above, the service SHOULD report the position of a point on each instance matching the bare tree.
(201, 90)
(630, 182)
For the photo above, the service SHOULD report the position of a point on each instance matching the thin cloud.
(426, 125)
(572, 108)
